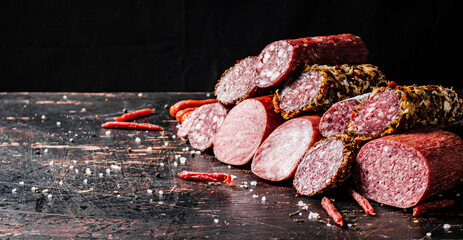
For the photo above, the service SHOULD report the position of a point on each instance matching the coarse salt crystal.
(349, 225)
(428, 234)
(446, 226)
(149, 191)
(137, 140)
(313, 216)
(108, 171)
(34, 189)
(50, 163)
(85, 181)
(60, 183)
(88, 171)
(161, 192)
(100, 175)
(263, 199)
(50, 196)
(115, 167)
(255, 196)
(216, 220)
(175, 164)
(253, 183)
(14, 190)
(140, 94)
(108, 133)
(65, 97)
(161, 164)
(197, 152)
(182, 160)
(166, 143)
(44, 117)
(149, 149)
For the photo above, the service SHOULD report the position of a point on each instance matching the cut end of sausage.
(273, 63)
(391, 173)
(298, 93)
(277, 157)
(237, 83)
(375, 114)
(205, 125)
(241, 133)
(323, 167)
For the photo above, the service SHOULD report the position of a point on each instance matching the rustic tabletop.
(64, 176)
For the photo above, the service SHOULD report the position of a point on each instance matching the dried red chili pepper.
(189, 103)
(180, 113)
(362, 201)
(391, 84)
(432, 206)
(331, 210)
(132, 125)
(206, 177)
(135, 114)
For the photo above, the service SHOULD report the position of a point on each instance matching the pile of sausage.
(313, 110)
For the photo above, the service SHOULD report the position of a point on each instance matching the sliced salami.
(277, 157)
(325, 166)
(320, 86)
(237, 83)
(185, 127)
(205, 125)
(335, 120)
(396, 108)
(282, 59)
(402, 170)
(243, 130)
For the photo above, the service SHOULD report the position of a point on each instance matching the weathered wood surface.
(54, 142)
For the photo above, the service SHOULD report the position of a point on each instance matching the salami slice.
(187, 123)
(396, 108)
(277, 157)
(325, 166)
(243, 130)
(320, 86)
(402, 170)
(237, 83)
(282, 59)
(205, 125)
(335, 120)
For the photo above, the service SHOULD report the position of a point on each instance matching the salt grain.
(108, 133)
(255, 196)
(100, 175)
(71, 167)
(149, 191)
(263, 199)
(140, 94)
(108, 171)
(44, 117)
(65, 97)
(149, 149)
(115, 167)
(137, 140)
(253, 183)
(313, 216)
(446, 226)
(85, 181)
(161, 192)
(34, 189)
(182, 160)
(50, 163)
(216, 220)
(349, 225)
(50, 196)
(14, 190)
(60, 183)
(88, 171)
(428, 234)
(161, 164)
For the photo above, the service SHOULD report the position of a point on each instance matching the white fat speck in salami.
(319, 166)
(277, 157)
(335, 120)
(301, 91)
(243, 129)
(376, 113)
(237, 83)
(402, 170)
(205, 126)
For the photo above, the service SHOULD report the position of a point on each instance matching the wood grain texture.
(54, 142)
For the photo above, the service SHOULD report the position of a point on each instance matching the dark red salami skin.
(402, 170)
(205, 125)
(277, 157)
(335, 120)
(282, 59)
(243, 130)
(326, 165)
(237, 83)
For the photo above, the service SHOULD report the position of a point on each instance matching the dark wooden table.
(54, 181)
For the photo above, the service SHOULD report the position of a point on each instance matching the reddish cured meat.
(282, 59)
(325, 166)
(179, 115)
(402, 170)
(277, 157)
(335, 120)
(187, 104)
(237, 83)
(332, 211)
(243, 130)
(205, 125)
(432, 206)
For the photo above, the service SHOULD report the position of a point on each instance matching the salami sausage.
(282, 59)
(277, 157)
(335, 120)
(394, 108)
(325, 166)
(237, 83)
(402, 170)
(243, 130)
(205, 125)
(187, 123)
(320, 86)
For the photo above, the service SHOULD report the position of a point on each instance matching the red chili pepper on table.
(189, 103)
(432, 206)
(135, 114)
(391, 84)
(362, 201)
(331, 210)
(206, 177)
(180, 113)
(132, 125)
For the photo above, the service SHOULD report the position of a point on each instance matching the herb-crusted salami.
(282, 59)
(277, 157)
(238, 82)
(335, 120)
(325, 166)
(205, 125)
(402, 170)
(319, 86)
(394, 108)
(243, 130)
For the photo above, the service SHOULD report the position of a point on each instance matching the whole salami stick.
(363, 202)
(432, 206)
(320, 86)
(332, 211)
(283, 59)
(395, 108)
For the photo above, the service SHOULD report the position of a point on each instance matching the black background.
(176, 45)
